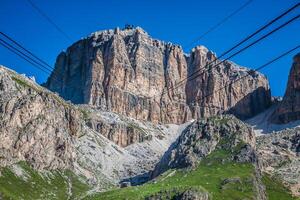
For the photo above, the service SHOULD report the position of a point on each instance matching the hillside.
(106, 126)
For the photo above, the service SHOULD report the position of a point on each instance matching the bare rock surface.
(262, 125)
(289, 109)
(204, 136)
(39, 127)
(280, 156)
(128, 72)
(103, 161)
(35, 125)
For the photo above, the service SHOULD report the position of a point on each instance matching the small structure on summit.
(129, 26)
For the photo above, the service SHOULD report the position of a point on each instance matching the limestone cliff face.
(289, 109)
(35, 125)
(128, 72)
(213, 94)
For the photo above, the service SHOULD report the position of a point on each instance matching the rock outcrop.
(190, 194)
(289, 109)
(35, 125)
(122, 131)
(39, 127)
(280, 156)
(128, 72)
(215, 141)
(203, 137)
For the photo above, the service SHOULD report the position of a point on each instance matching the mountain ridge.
(139, 71)
(111, 141)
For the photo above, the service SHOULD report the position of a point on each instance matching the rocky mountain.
(128, 72)
(54, 149)
(39, 127)
(289, 109)
(203, 137)
(280, 155)
(122, 136)
(218, 158)
(33, 121)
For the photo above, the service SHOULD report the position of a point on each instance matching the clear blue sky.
(169, 20)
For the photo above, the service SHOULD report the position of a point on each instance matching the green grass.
(209, 176)
(142, 131)
(85, 113)
(24, 83)
(50, 185)
(276, 190)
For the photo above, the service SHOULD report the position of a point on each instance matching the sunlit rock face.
(128, 72)
(289, 109)
(36, 125)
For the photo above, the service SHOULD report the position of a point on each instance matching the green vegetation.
(85, 113)
(34, 185)
(216, 174)
(220, 120)
(211, 175)
(275, 189)
(135, 126)
(24, 83)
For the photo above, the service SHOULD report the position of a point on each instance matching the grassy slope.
(209, 176)
(275, 189)
(51, 185)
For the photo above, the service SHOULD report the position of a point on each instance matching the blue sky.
(169, 20)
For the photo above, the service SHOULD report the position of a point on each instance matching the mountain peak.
(129, 64)
(289, 109)
(126, 31)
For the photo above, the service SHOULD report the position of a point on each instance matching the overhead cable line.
(22, 56)
(188, 78)
(29, 52)
(214, 27)
(250, 73)
(28, 57)
(43, 14)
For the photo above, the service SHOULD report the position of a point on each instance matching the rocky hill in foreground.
(128, 72)
(213, 158)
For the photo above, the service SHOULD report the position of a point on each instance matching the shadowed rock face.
(128, 72)
(289, 109)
